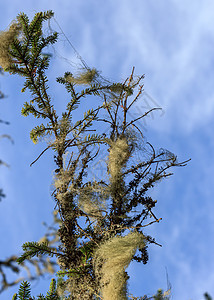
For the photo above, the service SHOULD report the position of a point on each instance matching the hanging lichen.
(6, 39)
(92, 200)
(118, 156)
(84, 78)
(110, 261)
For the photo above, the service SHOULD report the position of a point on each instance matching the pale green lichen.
(6, 39)
(84, 78)
(118, 155)
(61, 183)
(92, 200)
(110, 261)
(62, 180)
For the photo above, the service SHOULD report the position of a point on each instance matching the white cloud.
(173, 45)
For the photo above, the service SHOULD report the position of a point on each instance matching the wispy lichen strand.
(84, 78)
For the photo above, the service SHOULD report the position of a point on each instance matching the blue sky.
(171, 42)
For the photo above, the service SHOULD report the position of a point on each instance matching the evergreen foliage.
(32, 249)
(24, 292)
(92, 257)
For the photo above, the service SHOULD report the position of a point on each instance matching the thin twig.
(142, 116)
(86, 234)
(40, 155)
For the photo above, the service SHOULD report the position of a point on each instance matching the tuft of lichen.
(6, 39)
(64, 192)
(118, 155)
(110, 261)
(84, 78)
(92, 200)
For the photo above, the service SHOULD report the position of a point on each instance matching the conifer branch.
(32, 249)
